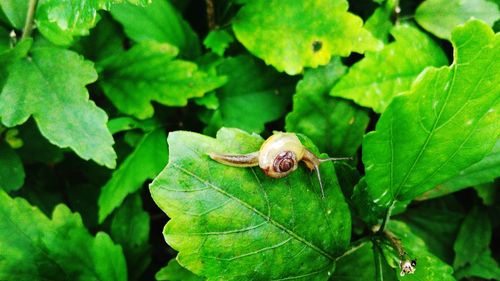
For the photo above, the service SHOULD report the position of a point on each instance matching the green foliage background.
(108, 109)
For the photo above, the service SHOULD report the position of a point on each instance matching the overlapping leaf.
(11, 168)
(58, 101)
(145, 162)
(337, 126)
(447, 122)
(60, 21)
(441, 16)
(34, 247)
(174, 272)
(148, 72)
(15, 11)
(238, 224)
(158, 22)
(293, 35)
(254, 94)
(380, 76)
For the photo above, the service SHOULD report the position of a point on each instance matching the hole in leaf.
(317, 45)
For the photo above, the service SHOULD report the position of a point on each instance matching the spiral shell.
(279, 155)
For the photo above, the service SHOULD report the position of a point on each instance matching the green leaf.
(480, 172)
(15, 11)
(10, 56)
(441, 16)
(474, 237)
(145, 162)
(218, 41)
(121, 124)
(60, 21)
(380, 22)
(148, 72)
(357, 264)
(175, 272)
(376, 79)
(158, 22)
(487, 192)
(11, 168)
(337, 126)
(429, 267)
(35, 247)
(130, 228)
(315, 31)
(254, 94)
(238, 224)
(436, 222)
(448, 121)
(36, 148)
(57, 99)
(484, 267)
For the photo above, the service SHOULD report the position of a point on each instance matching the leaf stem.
(28, 25)
(386, 218)
(210, 14)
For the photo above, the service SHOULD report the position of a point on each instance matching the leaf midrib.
(248, 206)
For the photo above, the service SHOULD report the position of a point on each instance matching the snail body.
(278, 156)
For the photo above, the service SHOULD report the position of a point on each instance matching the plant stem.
(28, 25)
(386, 218)
(210, 14)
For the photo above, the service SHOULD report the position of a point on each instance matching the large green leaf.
(58, 101)
(159, 22)
(34, 247)
(16, 11)
(11, 168)
(238, 224)
(60, 21)
(484, 171)
(291, 35)
(337, 126)
(148, 72)
(440, 16)
(145, 162)
(380, 76)
(355, 265)
(485, 267)
(448, 121)
(254, 94)
(380, 22)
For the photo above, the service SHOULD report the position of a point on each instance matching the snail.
(278, 157)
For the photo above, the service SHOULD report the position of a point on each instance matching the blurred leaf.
(4, 39)
(218, 41)
(11, 168)
(485, 266)
(37, 248)
(148, 72)
(158, 22)
(356, 265)
(315, 31)
(35, 147)
(429, 267)
(255, 217)
(441, 16)
(145, 162)
(487, 193)
(480, 172)
(15, 11)
(121, 124)
(436, 222)
(130, 228)
(61, 20)
(447, 122)
(337, 126)
(175, 272)
(376, 79)
(473, 238)
(254, 94)
(58, 100)
(104, 41)
(380, 22)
